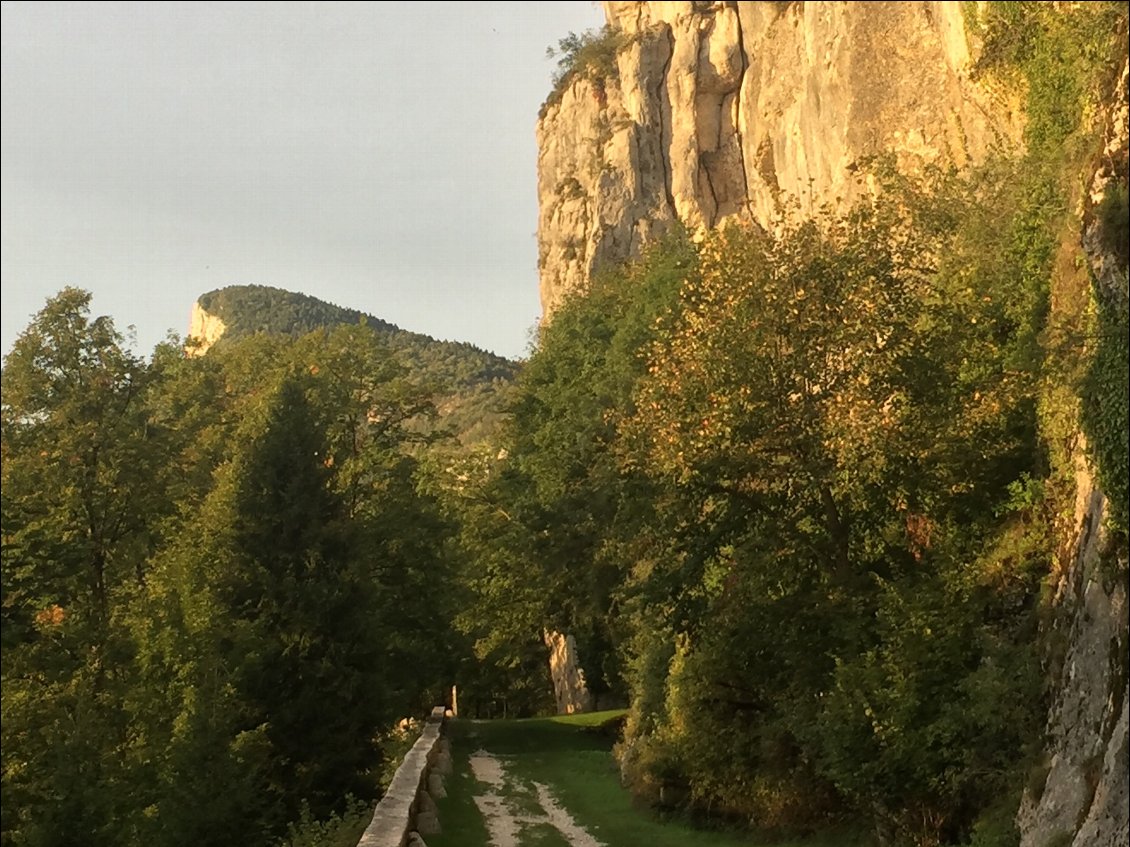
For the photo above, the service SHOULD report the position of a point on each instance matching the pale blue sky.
(379, 156)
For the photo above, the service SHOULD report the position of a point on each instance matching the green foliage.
(1106, 399)
(1060, 57)
(940, 679)
(1113, 214)
(792, 492)
(538, 526)
(589, 55)
(75, 466)
(292, 585)
(499, 595)
(220, 582)
(997, 826)
(338, 830)
(248, 309)
(79, 505)
(1066, 62)
(802, 475)
(821, 481)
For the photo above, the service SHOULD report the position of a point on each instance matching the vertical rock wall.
(747, 110)
(569, 687)
(1082, 797)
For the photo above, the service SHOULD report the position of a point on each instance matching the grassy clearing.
(572, 755)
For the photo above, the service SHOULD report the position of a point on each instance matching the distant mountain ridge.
(471, 379)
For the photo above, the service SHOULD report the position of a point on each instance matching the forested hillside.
(468, 382)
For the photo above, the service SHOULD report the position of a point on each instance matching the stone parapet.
(407, 811)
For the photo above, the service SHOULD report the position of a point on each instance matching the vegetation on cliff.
(797, 493)
(589, 55)
(784, 488)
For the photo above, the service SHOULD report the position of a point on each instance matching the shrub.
(588, 55)
(338, 830)
(1114, 216)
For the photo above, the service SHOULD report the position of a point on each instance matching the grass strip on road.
(572, 756)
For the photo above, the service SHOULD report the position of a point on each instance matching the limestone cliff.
(725, 110)
(204, 330)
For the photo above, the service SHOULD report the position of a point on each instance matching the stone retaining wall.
(407, 812)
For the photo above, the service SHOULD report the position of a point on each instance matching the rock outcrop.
(570, 691)
(1082, 798)
(204, 330)
(749, 110)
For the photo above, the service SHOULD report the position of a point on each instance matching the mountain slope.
(470, 380)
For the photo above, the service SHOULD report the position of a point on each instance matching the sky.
(378, 156)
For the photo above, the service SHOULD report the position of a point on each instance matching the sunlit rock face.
(750, 110)
(204, 330)
(569, 688)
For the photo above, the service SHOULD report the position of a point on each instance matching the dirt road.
(512, 807)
